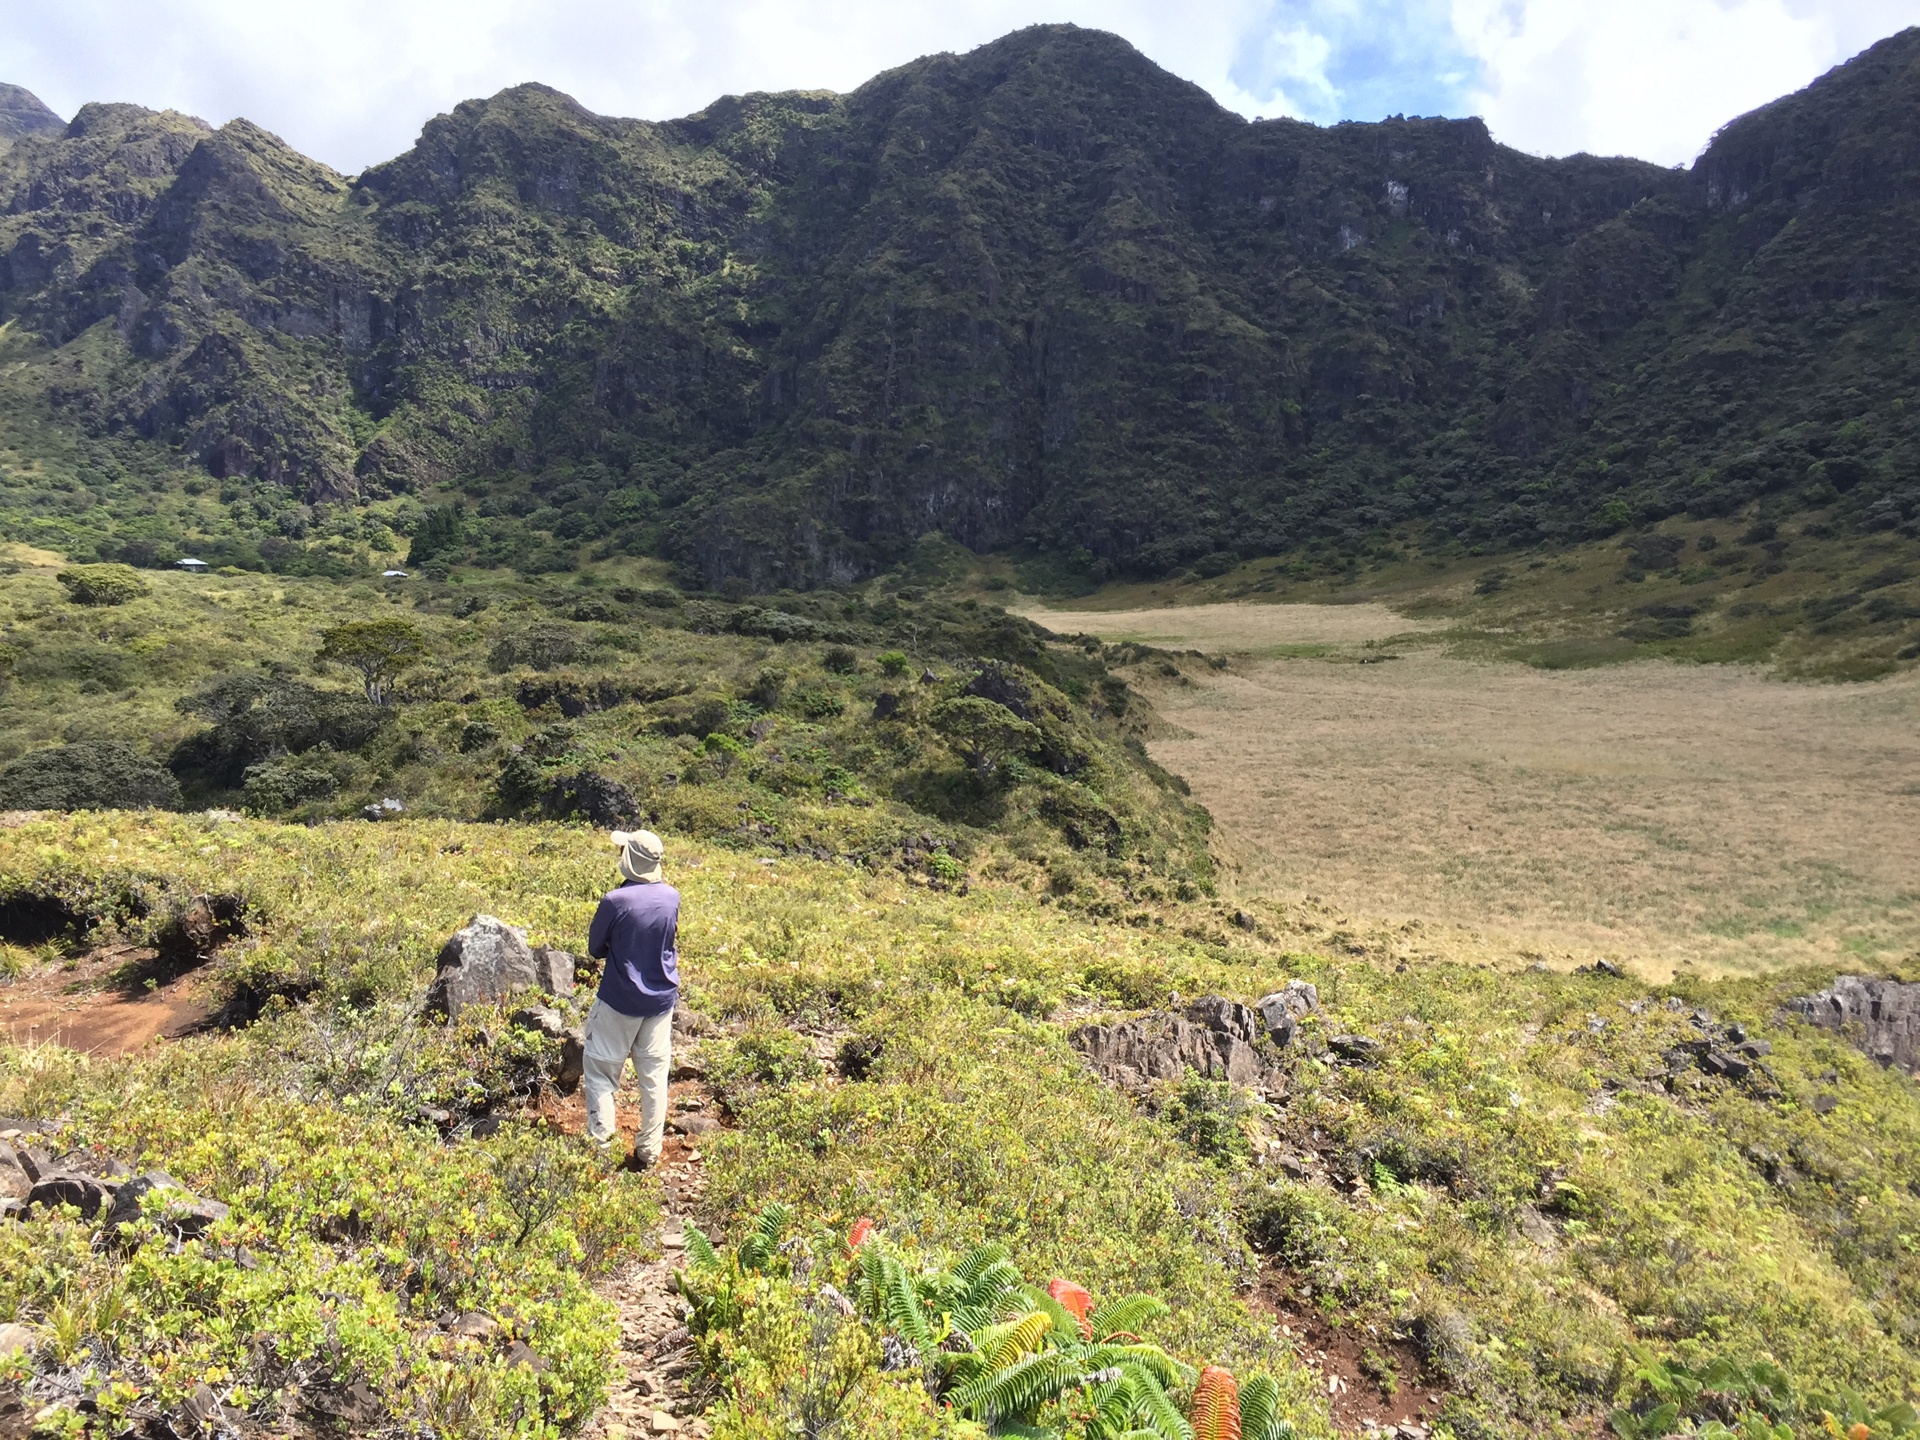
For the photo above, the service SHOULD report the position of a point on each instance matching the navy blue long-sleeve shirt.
(635, 931)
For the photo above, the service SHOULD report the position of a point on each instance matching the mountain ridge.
(1040, 295)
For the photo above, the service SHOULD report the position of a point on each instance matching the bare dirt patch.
(1372, 1378)
(1659, 814)
(101, 1003)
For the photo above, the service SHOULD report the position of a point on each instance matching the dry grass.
(1235, 629)
(1657, 813)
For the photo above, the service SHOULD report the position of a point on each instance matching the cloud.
(1652, 78)
(351, 81)
(1327, 60)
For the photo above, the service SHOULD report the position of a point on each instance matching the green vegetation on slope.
(882, 724)
(1519, 1181)
(1043, 294)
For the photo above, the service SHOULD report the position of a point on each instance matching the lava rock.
(571, 1067)
(1879, 1017)
(186, 1217)
(64, 1188)
(15, 1182)
(553, 970)
(693, 1125)
(1355, 1049)
(1225, 1017)
(15, 1339)
(486, 961)
(1166, 1047)
(1286, 1007)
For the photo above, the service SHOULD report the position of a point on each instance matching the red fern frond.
(862, 1231)
(1076, 1301)
(1215, 1413)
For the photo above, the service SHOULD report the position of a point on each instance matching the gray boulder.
(1165, 1047)
(553, 970)
(1225, 1017)
(1286, 1007)
(14, 1180)
(1880, 1017)
(485, 962)
(186, 1217)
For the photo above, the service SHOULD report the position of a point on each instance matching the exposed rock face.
(14, 1180)
(24, 113)
(87, 1192)
(553, 970)
(1881, 1017)
(187, 1215)
(488, 961)
(571, 1068)
(1216, 1038)
(1285, 1008)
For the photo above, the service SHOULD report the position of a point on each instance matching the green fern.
(1019, 1390)
(700, 1252)
(885, 1291)
(1066, 1324)
(756, 1252)
(1126, 1316)
(1260, 1410)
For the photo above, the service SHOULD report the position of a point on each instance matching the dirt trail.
(652, 1394)
(100, 1004)
(1373, 1380)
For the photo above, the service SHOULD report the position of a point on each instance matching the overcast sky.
(351, 81)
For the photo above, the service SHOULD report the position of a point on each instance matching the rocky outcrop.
(570, 1068)
(1216, 1038)
(1880, 1017)
(1285, 1008)
(184, 1215)
(488, 961)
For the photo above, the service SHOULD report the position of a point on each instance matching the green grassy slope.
(1513, 1184)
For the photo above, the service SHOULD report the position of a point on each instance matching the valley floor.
(1659, 814)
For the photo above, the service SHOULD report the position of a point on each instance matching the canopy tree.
(381, 650)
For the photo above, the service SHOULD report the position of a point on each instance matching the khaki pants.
(612, 1039)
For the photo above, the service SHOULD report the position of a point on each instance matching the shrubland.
(1516, 1189)
(885, 722)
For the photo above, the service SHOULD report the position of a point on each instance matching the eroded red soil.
(1372, 1379)
(101, 1004)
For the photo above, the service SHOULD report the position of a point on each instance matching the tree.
(986, 733)
(102, 584)
(379, 649)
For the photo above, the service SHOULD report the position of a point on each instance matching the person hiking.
(635, 930)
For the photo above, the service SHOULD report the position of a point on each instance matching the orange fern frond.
(862, 1231)
(1215, 1412)
(1076, 1301)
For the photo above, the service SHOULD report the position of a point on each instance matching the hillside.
(1039, 297)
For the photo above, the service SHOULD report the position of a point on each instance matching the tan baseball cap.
(640, 854)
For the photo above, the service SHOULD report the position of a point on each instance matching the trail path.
(98, 1006)
(651, 1394)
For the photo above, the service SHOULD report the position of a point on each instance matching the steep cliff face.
(1043, 293)
(23, 113)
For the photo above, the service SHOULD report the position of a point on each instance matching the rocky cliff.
(1041, 294)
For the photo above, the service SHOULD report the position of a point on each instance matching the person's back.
(636, 931)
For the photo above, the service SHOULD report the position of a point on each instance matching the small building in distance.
(192, 566)
(393, 575)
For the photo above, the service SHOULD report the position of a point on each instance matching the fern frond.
(900, 1305)
(758, 1249)
(982, 1259)
(1215, 1410)
(1162, 1416)
(700, 1252)
(1126, 1316)
(1165, 1370)
(994, 1296)
(1017, 1391)
(1260, 1410)
(1066, 1324)
(1002, 1345)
